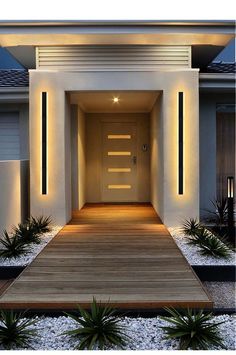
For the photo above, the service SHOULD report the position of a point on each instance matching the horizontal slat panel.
(95, 58)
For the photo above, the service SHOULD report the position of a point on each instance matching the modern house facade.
(115, 112)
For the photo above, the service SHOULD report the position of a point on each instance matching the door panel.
(119, 162)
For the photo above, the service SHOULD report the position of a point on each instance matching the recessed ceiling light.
(115, 99)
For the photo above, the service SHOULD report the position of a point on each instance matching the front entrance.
(119, 162)
(117, 157)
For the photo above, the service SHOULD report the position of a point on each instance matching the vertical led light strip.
(44, 143)
(180, 143)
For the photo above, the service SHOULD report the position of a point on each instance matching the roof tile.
(14, 78)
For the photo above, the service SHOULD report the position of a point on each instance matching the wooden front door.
(119, 162)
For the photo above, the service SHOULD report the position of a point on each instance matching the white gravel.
(222, 293)
(192, 252)
(26, 259)
(145, 333)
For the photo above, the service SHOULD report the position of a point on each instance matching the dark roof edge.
(220, 82)
(117, 22)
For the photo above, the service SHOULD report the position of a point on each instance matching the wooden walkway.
(121, 253)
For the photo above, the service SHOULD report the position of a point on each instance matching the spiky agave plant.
(193, 328)
(15, 330)
(190, 227)
(40, 224)
(98, 328)
(209, 244)
(198, 236)
(215, 247)
(27, 233)
(12, 246)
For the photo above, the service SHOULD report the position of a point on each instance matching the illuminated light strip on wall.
(44, 143)
(119, 186)
(119, 170)
(180, 143)
(119, 136)
(118, 153)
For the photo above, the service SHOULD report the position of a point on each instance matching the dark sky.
(228, 54)
(7, 61)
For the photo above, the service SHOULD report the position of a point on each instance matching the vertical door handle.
(134, 160)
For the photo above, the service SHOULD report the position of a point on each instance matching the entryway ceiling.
(128, 101)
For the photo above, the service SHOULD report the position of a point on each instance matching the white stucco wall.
(78, 157)
(156, 156)
(175, 207)
(13, 175)
(81, 158)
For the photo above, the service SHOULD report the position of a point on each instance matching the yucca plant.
(219, 214)
(194, 329)
(209, 244)
(98, 328)
(40, 224)
(214, 247)
(15, 330)
(12, 246)
(199, 236)
(27, 233)
(190, 227)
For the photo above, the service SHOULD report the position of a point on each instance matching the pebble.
(192, 252)
(145, 333)
(26, 259)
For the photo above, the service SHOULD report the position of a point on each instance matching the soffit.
(102, 102)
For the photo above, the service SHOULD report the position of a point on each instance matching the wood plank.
(117, 252)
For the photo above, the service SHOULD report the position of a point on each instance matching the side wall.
(156, 156)
(208, 102)
(13, 184)
(78, 158)
(14, 174)
(81, 158)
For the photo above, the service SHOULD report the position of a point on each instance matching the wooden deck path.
(121, 253)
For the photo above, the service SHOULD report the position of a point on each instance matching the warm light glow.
(230, 183)
(119, 136)
(119, 153)
(119, 170)
(119, 186)
(116, 99)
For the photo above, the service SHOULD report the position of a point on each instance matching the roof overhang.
(118, 32)
(14, 95)
(217, 82)
(16, 35)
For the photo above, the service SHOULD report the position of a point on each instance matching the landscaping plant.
(40, 224)
(209, 244)
(98, 328)
(219, 214)
(193, 329)
(15, 331)
(215, 247)
(190, 227)
(13, 246)
(26, 233)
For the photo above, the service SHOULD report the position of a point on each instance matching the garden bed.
(35, 249)
(192, 253)
(145, 333)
